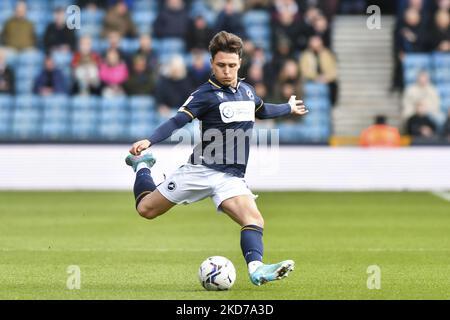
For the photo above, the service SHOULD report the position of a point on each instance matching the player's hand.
(139, 146)
(297, 106)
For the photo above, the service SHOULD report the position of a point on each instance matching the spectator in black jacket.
(7, 84)
(172, 87)
(141, 80)
(51, 80)
(146, 50)
(200, 70)
(230, 20)
(439, 38)
(172, 21)
(57, 35)
(410, 37)
(199, 34)
(420, 124)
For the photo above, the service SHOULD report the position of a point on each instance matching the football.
(217, 273)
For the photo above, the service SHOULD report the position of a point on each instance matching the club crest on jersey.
(227, 112)
(250, 94)
(171, 186)
(220, 94)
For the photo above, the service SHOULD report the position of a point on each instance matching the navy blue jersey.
(227, 117)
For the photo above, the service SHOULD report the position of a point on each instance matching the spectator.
(113, 74)
(173, 80)
(380, 134)
(141, 80)
(257, 5)
(51, 80)
(57, 36)
(353, 6)
(85, 64)
(248, 51)
(146, 50)
(420, 125)
(439, 39)
(410, 37)
(200, 70)
(318, 64)
(218, 5)
(311, 14)
(93, 4)
(114, 41)
(18, 31)
(422, 90)
(320, 27)
(7, 80)
(230, 19)
(118, 19)
(172, 21)
(446, 127)
(199, 34)
(280, 56)
(288, 82)
(287, 24)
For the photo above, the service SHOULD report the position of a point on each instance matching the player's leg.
(149, 201)
(243, 210)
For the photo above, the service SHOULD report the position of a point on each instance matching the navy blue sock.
(143, 184)
(251, 243)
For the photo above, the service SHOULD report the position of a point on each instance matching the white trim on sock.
(253, 265)
(141, 165)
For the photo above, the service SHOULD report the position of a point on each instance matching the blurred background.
(130, 64)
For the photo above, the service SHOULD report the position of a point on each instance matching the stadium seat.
(315, 90)
(30, 57)
(171, 46)
(84, 117)
(85, 102)
(413, 63)
(92, 17)
(6, 111)
(256, 17)
(321, 104)
(142, 102)
(129, 46)
(56, 114)
(290, 133)
(61, 3)
(113, 118)
(26, 120)
(441, 75)
(145, 17)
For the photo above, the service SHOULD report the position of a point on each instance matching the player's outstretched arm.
(161, 133)
(270, 111)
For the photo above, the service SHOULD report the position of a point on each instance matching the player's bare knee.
(147, 212)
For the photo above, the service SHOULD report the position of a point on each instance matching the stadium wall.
(101, 167)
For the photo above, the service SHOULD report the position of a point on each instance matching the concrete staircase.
(365, 69)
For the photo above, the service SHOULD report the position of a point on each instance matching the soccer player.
(226, 107)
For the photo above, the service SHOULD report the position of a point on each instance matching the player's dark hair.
(225, 42)
(380, 119)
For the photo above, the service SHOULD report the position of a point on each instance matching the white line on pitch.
(442, 194)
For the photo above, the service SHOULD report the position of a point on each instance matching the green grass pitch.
(333, 237)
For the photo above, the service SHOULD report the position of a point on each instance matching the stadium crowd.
(296, 27)
(128, 48)
(422, 68)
